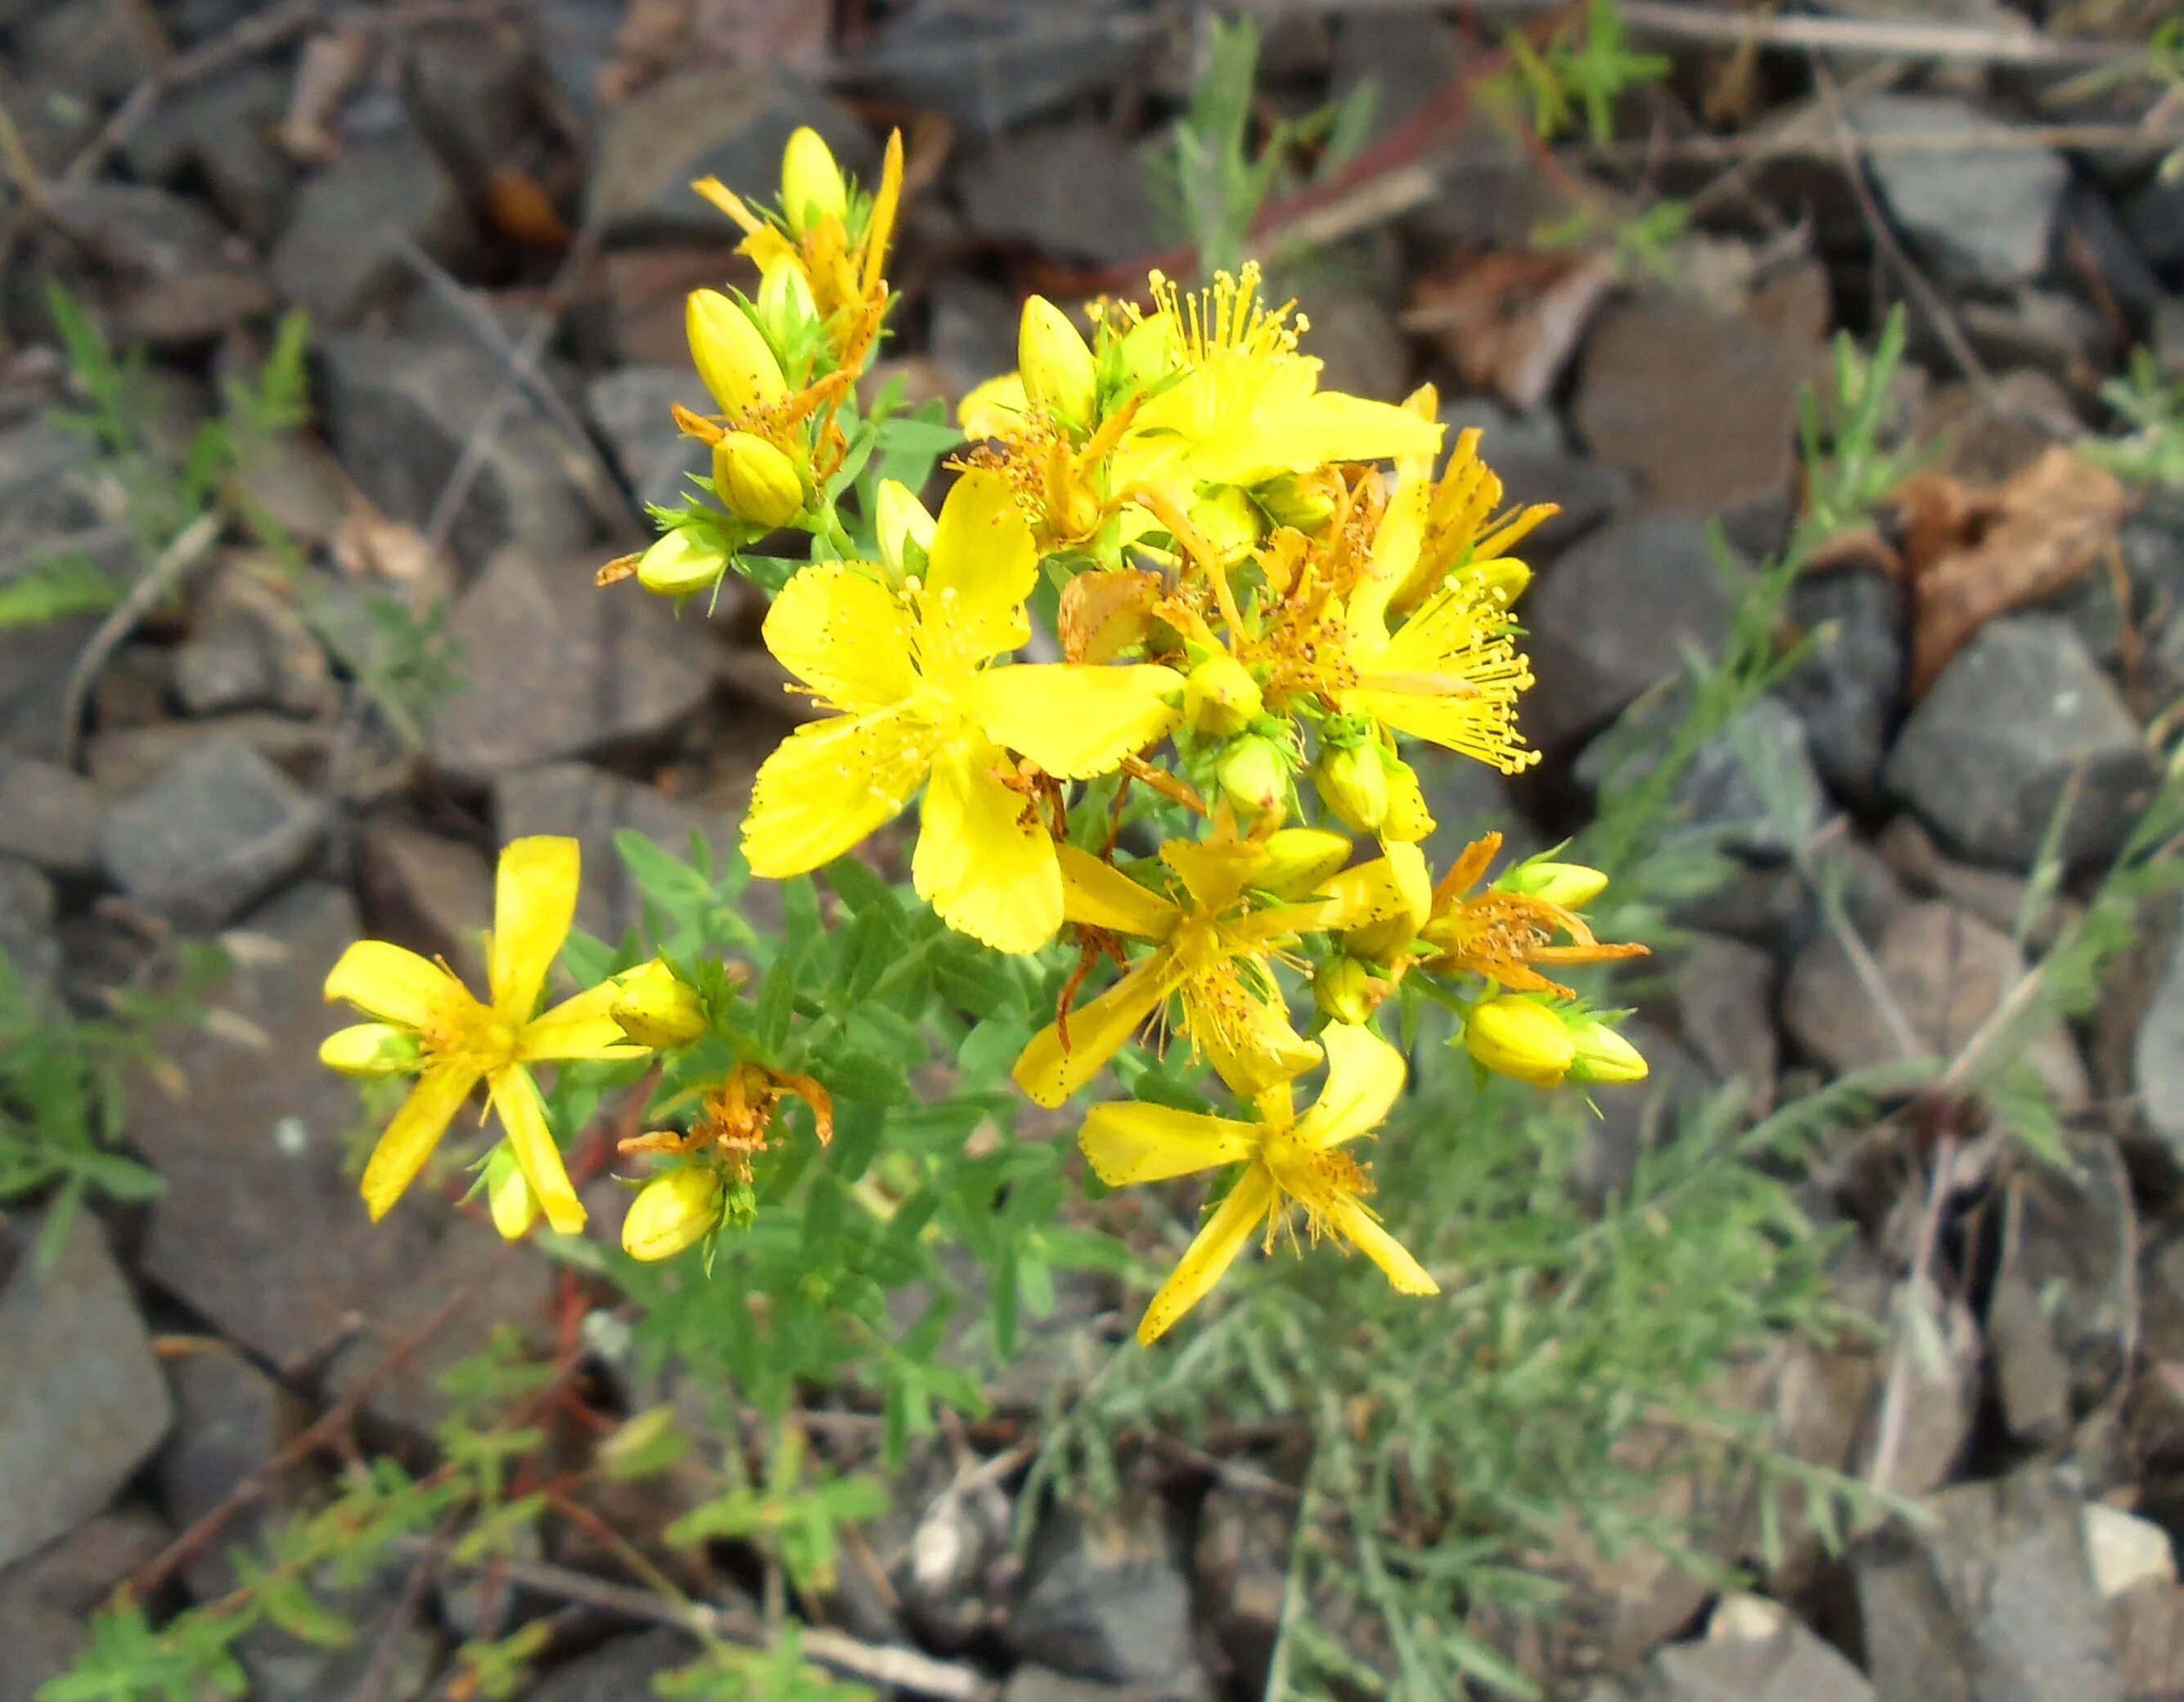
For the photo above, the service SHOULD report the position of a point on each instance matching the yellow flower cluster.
(1264, 593)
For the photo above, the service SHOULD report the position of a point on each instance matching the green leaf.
(848, 1073)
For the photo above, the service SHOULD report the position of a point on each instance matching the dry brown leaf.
(1973, 556)
(371, 545)
(326, 70)
(521, 210)
(1510, 320)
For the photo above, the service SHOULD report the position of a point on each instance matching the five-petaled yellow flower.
(917, 704)
(1289, 1160)
(463, 1041)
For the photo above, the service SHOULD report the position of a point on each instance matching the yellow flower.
(1465, 528)
(671, 1212)
(465, 1041)
(1214, 950)
(1520, 1038)
(1501, 935)
(755, 482)
(1604, 1056)
(1059, 372)
(657, 1008)
(1289, 1160)
(679, 565)
(916, 705)
(811, 186)
(508, 1196)
(732, 357)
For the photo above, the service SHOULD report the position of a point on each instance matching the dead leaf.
(1972, 556)
(523, 212)
(1104, 615)
(1510, 320)
(371, 545)
(326, 70)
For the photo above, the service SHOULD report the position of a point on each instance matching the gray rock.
(339, 256)
(1990, 1601)
(1035, 1683)
(593, 806)
(1986, 756)
(731, 124)
(169, 275)
(988, 66)
(27, 940)
(2147, 1626)
(972, 334)
(1724, 998)
(48, 816)
(630, 407)
(616, 666)
(1751, 788)
(1409, 62)
(130, 758)
(250, 648)
(230, 1419)
(219, 132)
(1984, 216)
(1948, 971)
(45, 1603)
(83, 1402)
(1849, 689)
(1355, 337)
(2158, 1063)
(1534, 462)
(619, 1670)
(1616, 615)
(93, 50)
(1106, 1596)
(401, 410)
(1243, 1567)
(2155, 216)
(259, 1228)
(1071, 191)
(1996, 898)
(2124, 1552)
(470, 91)
(218, 831)
(434, 895)
(1754, 1651)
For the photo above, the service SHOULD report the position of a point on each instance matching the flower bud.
(1520, 1038)
(1344, 990)
(1227, 521)
(1220, 697)
(1253, 777)
(785, 307)
(1308, 503)
(1604, 1056)
(902, 521)
(1056, 363)
(811, 184)
(656, 1008)
(1353, 784)
(1408, 820)
(371, 1049)
(731, 355)
(672, 1212)
(1570, 885)
(678, 564)
(508, 1194)
(755, 482)
(1300, 861)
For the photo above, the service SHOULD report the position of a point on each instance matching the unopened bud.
(731, 355)
(1228, 521)
(508, 1194)
(1059, 371)
(671, 1212)
(679, 565)
(1344, 990)
(1572, 886)
(811, 184)
(1408, 820)
(1604, 1056)
(902, 521)
(1253, 777)
(368, 1051)
(1520, 1038)
(786, 306)
(1306, 503)
(1220, 697)
(656, 1008)
(755, 482)
(1298, 862)
(1353, 784)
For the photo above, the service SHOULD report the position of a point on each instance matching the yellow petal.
(1334, 426)
(534, 902)
(1219, 1241)
(1249, 1040)
(830, 784)
(983, 860)
(845, 635)
(981, 567)
(1076, 721)
(996, 406)
(523, 1116)
(396, 985)
(508, 1195)
(1132, 1142)
(1354, 1222)
(1364, 1080)
(582, 1027)
(1048, 1072)
(414, 1132)
(879, 224)
(1098, 895)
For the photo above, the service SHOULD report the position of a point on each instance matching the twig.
(189, 547)
(1779, 144)
(1895, 1398)
(386, 1650)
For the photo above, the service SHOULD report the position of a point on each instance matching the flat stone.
(259, 1228)
(48, 816)
(1986, 214)
(1071, 191)
(1724, 996)
(83, 1402)
(1848, 688)
(168, 274)
(2155, 216)
(249, 647)
(28, 910)
(128, 759)
(1700, 410)
(339, 256)
(217, 131)
(219, 830)
(630, 406)
(731, 124)
(1243, 1566)
(1949, 972)
(1986, 756)
(1991, 1601)
(2147, 1626)
(619, 1670)
(2158, 1062)
(599, 666)
(92, 50)
(470, 90)
(401, 411)
(45, 1602)
(972, 332)
(2126, 1552)
(431, 894)
(1532, 458)
(1751, 788)
(1355, 337)
(592, 806)
(1754, 1651)
(989, 68)
(230, 1419)
(1616, 616)
(1106, 1597)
